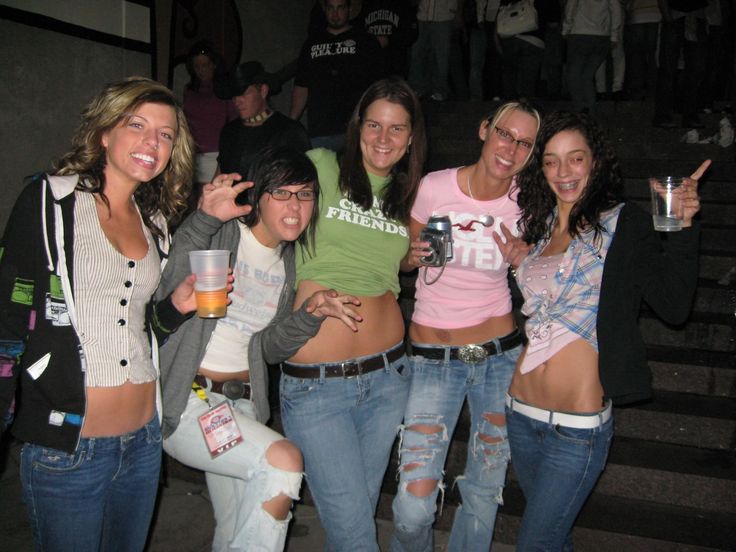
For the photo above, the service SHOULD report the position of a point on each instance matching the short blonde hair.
(507, 108)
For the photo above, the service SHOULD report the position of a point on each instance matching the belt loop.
(497, 344)
(448, 353)
(386, 363)
(550, 420)
(321, 373)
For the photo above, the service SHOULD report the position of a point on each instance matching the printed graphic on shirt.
(344, 47)
(56, 310)
(255, 295)
(10, 350)
(473, 243)
(373, 218)
(381, 22)
(22, 292)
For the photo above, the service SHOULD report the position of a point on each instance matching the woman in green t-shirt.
(343, 394)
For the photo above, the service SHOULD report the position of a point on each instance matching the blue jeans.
(438, 390)
(557, 468)
(100, 497)
(671, 42)
(430, 58)
(345, 428)
(522, 63)
(585, 53)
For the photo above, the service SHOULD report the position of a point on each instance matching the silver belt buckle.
(234, 389)
(471, 354)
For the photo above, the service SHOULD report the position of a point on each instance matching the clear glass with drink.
(666, 203)
(211, 267)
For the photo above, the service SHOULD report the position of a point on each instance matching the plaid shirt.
(577, 283)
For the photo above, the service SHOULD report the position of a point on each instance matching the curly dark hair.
(605, 185)
(405, 175)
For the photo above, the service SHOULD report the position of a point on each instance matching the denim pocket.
(572, 435)
(293, 389)
(402, 368)
(153, 432)
(53, 460)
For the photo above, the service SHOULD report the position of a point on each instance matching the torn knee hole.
(421, 487)
(412, 466)
(496, 418)
(490, 440)
(426, 429)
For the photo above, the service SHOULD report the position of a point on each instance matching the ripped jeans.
(438, 390)
(240, 480)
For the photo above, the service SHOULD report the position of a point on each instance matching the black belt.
(471, 353)
(232, 389)
(343, 369)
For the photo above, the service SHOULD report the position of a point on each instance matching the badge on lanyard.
(218, 425)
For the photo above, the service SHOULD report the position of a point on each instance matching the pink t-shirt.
(473, 286)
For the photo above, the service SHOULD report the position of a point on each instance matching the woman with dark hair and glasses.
(343, 393)
(464, 339)
(218, 366)
(594, 260)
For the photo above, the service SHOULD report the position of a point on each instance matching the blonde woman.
(464, 339)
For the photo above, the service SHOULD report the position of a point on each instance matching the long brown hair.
(405, 175)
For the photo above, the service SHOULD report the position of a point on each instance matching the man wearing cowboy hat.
(249, 87)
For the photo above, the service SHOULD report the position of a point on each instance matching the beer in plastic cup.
(211, 267)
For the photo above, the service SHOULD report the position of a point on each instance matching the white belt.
(577, 421)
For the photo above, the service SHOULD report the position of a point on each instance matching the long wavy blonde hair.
(167, 194)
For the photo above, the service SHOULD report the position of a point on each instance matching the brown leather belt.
(471, 353)
(232, 389)
(343, 369)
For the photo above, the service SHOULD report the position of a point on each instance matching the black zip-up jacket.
(641, 264)
(39, 347)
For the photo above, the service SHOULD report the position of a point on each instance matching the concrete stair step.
(689, 378)
(717, 267)
(611, 524)
(706, 335)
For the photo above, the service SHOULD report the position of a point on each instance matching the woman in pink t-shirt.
(464, 339)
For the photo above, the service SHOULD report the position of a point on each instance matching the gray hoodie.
(181, 355)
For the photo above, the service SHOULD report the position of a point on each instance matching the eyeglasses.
(279, 194)
(507, 137)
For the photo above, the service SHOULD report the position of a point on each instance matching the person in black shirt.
(335, 66)
(394, 24)
(249, 86)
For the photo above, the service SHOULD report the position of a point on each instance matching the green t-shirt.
(355, 251)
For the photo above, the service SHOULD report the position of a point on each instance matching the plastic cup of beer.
(666, 203)
(211, 268)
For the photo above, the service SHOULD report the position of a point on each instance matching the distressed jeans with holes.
(240, 480)
(439, 388)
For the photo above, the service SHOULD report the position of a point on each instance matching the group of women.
(316, 249)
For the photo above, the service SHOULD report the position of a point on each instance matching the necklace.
(262, 116)
(485, 220)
